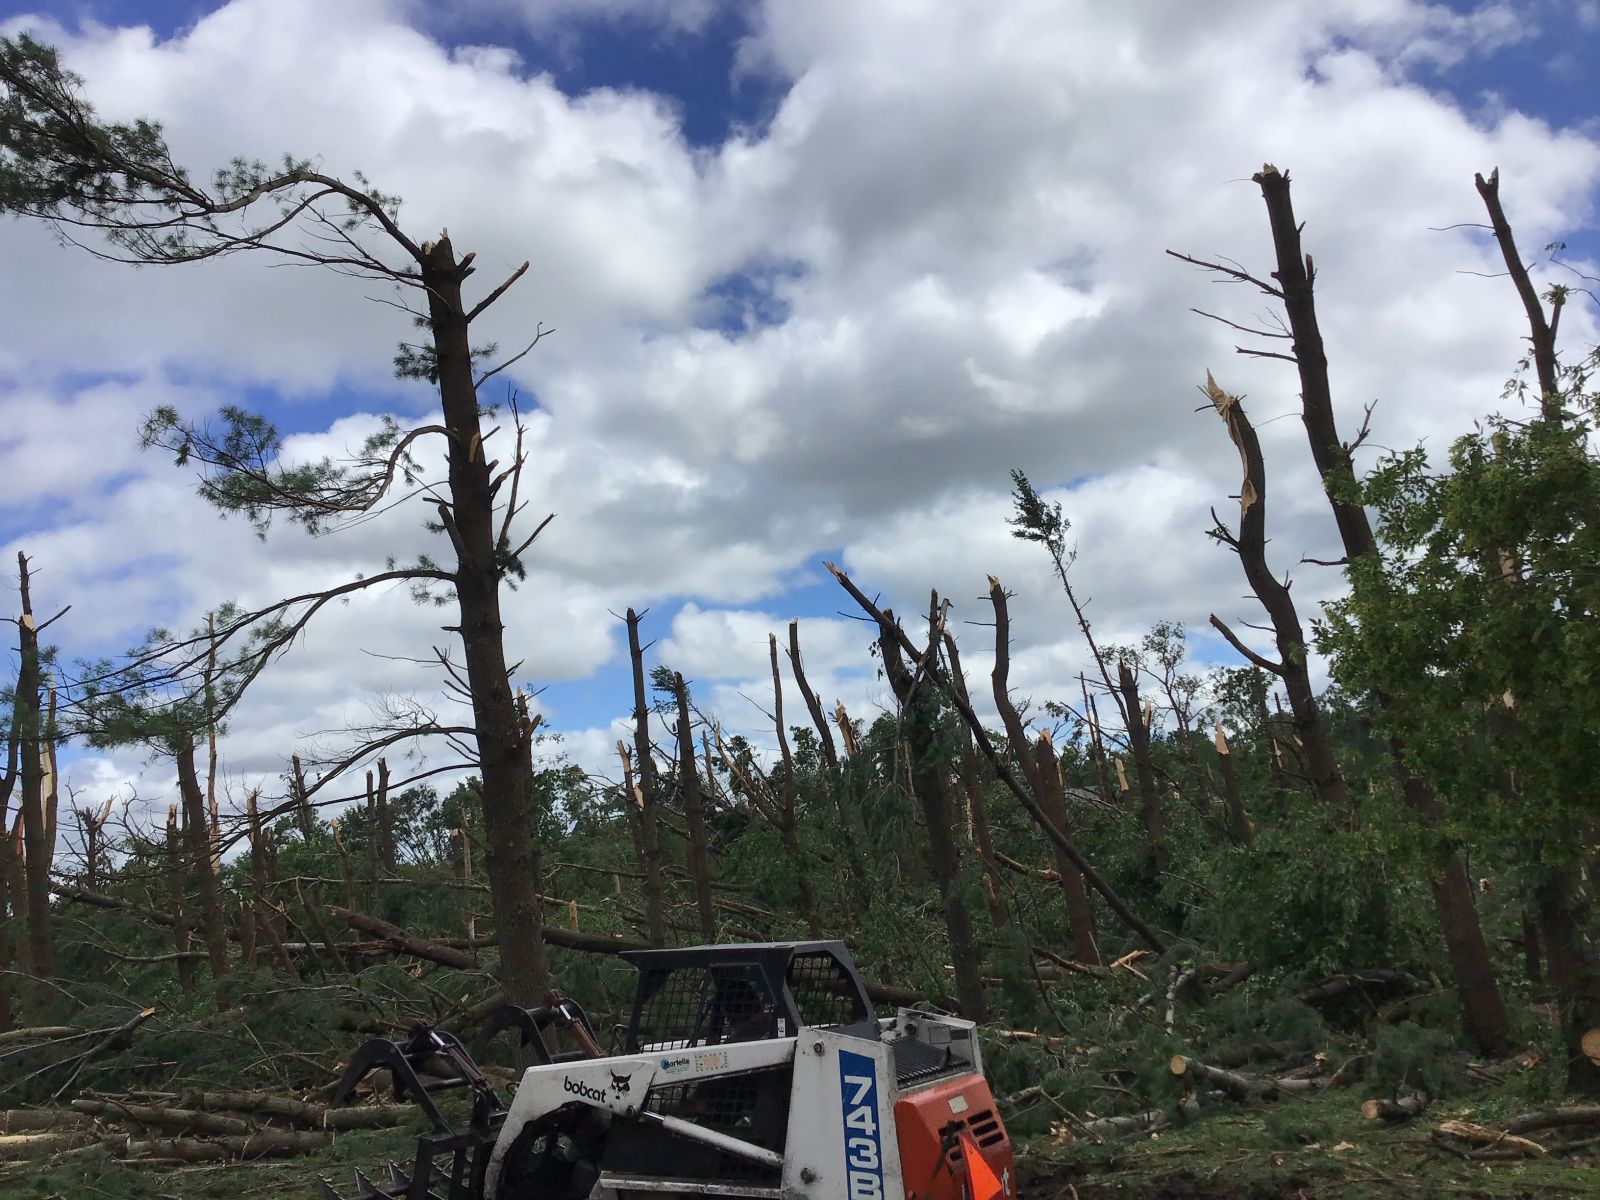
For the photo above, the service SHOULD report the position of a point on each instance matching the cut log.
(22, 1147)
(40, 1120)
(151, 1116)
(1237, 1086)
(1554, 1118)
(1143, 1122)
(296, 1112)
(1590, 1045)
(1402, 1108)
(1490, 1139)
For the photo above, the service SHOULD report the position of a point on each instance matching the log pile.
(184, 1127)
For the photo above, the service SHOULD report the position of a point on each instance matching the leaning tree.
(115, 189)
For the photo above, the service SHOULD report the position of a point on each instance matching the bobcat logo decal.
(619, 1084)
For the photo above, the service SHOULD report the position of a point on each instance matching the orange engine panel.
(929, 1125)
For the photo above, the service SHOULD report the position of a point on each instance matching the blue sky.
(821, 274)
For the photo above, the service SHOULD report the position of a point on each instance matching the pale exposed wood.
(1490, 1139)
(1402, 1108)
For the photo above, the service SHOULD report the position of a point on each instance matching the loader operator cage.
(692, 1000)
(712, 995)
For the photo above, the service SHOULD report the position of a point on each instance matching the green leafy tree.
(1487, 597)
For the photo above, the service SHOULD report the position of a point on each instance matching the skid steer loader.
(756, 1071)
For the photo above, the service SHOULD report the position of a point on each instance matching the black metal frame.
(773, 964)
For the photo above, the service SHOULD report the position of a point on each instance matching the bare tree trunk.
(1570, 959)
(382, 826)
(1244, 831)
(468, 920)
(1293, 667)
(93, 826)
(210, 697)
(1475, 976)
(973, 782)
(244, 929)
(647, 795)
(175, 902)
(634, 803)
(830, 755)
(1053, 799)
(1043, 773)
(504, 737)
(858, 892)
(27, 722)
(197, 830)
(1541, 330)
(1155, 823)
(11, 887)
(788, 816)
(698, 856)
(930, 780)
(263, 872)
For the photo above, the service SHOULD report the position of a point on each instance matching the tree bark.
(1541, 330)
(698, 856)
(27, 721)
(789, 820)
(1155, 823)
(504, 738)
(197, 831)
(1475, 977)
(1293, 667)
(1244, 831)
(858, 893)
(175, 900)
(1043, 773)
(830, 755)
(648, 796)
(11, 887)
(930, 780)
(382, 826)
(1570, 961)
(1053, 799)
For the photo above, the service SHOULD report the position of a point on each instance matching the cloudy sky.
(821, 274)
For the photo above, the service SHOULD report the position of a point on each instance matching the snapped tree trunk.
(263, 874)
(382, 826)
(1053, 800)
(504, 739)
(647, 796)
(857, 893)
(197, 831)
(788, 814)
(176, 887)
(1239, 823)
(1043, 774)
(11, 888)
(1250, 544)
(930, 780)
(1453, 895)
(698, 857)
(1155, 822)
(27, 721)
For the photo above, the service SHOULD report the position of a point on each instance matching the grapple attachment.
(451, 1159)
